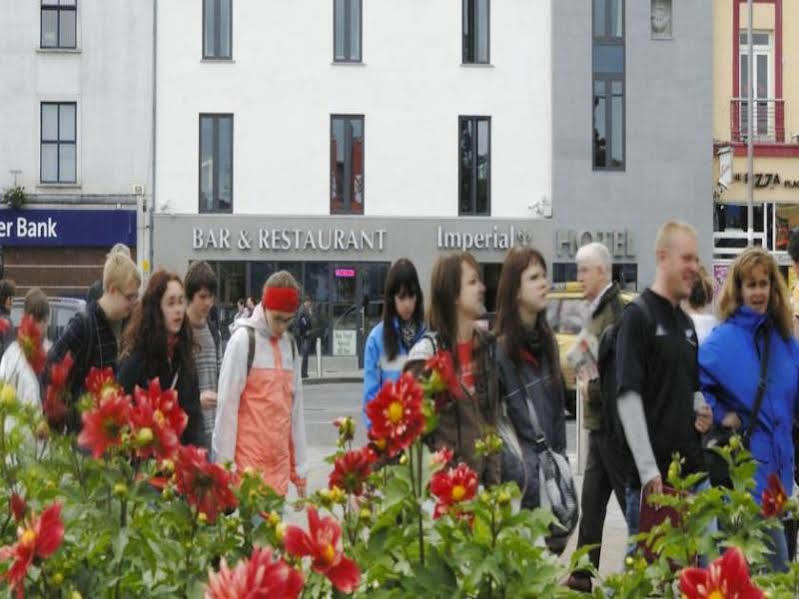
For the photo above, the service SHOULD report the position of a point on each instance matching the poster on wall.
(345, 342)
(720, 273)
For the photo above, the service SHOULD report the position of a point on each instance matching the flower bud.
(273, 519)
(144, 436)
(168, 493)
(167, 466)
(42, 431)
(280, 530)
(735, 443)
(629, 561)
(202, 518)
(57, 579)
(337, 495)
(75, 595)
(403, 459)
(366, 514)
(121, 490)
(674, 470)
(8, 397)
(504, 498)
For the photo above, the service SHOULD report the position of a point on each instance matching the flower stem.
(417, 492)
(189, 551)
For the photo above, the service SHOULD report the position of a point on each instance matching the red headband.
(281, 299)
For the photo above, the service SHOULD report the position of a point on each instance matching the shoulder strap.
(250, 348)
(761, 385)
(509, 374)
(432, 339)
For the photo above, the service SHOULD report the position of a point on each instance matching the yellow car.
(566, 314)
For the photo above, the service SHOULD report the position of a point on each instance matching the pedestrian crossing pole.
(750, 148)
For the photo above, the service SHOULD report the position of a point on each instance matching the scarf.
(533, 345)
(408, 331)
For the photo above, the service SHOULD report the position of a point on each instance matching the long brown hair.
(445, 287)
(402, 279)
(146, 332)
(509, 327)
(778, 305)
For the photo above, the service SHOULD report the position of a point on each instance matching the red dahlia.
(396, 413)
(774, 497)
(157, 421)
(57, 393)
(256, 578)
(30, 342)
(206, 486)
(323, 545)
(352, 469)
(727, 577)
(103, 425)
(100, 382)
(453, 486)
(442, 374)
(40, 537)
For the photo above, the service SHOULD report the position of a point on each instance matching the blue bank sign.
(67, 228)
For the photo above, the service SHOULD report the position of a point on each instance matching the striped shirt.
(207, 360)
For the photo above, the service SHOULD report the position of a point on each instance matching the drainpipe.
(750, 148)
(151, 215)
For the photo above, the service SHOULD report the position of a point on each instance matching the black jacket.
(542, 392)
(133, 371)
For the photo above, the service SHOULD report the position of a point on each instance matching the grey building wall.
(669, 97)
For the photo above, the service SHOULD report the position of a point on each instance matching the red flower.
(442, 374)
(774, 497)
(39, 538)
(727, 577)
(396, 413)
(30, 342)
(452, 487)
(55, 399)
(256, 578)
(103, 426)
(206, 486)
(18, 506)
(157, 422)
(100, 382)
(441, 458)
(352, 469)
(323, 545)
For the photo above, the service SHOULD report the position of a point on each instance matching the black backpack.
(606, 364)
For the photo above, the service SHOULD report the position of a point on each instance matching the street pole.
(750, 145)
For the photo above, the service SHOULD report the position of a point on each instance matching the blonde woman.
(755, 314)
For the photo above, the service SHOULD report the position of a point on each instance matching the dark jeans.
(790, 536)
(305, 345)
(601, 478)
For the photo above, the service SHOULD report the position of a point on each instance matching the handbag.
(719, 436)
(555, 480)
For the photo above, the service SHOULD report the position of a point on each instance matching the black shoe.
(579, 582)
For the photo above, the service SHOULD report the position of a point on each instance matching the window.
(474, 173)
(608, 98)
(475, 31)
(347, 30)
(765, 106)
(58, 159)
(216, 163)
(346, 164)
(217, 29)
(59, 24)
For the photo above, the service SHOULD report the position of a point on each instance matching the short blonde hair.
(283, 278)
(668, 230)
(118, 271)
(120, 248)
(778, 304)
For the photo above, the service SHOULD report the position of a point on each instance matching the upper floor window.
(608, 98)
(474, 165)
(475, 31)
(216, 163)
(346, 164)
(59, 24)
(768, 111)
(217, 29)
(348, 30)
(58, 154)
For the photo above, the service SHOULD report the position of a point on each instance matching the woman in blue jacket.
(754, 310)
(388, 344)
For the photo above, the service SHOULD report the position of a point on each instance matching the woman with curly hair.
(756, 330)
(158, 344)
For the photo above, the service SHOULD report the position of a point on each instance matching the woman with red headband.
(259, 418)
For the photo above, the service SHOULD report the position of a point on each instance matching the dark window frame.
(473, 200)
(57, 7)
(465, 48)
(216, 208)
(57, 142)
(347, 184)
(599, 41)
(217, 32)
(348, 34)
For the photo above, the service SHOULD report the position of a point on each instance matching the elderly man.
(602, 474)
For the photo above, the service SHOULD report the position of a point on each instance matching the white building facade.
(76, 130)
(331, 137)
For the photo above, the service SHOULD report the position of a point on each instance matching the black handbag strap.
(509, 374)
(761, 384)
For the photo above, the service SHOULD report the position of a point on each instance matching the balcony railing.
(768, 118)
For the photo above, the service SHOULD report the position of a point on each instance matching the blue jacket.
(376, 367)
(729, 373)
